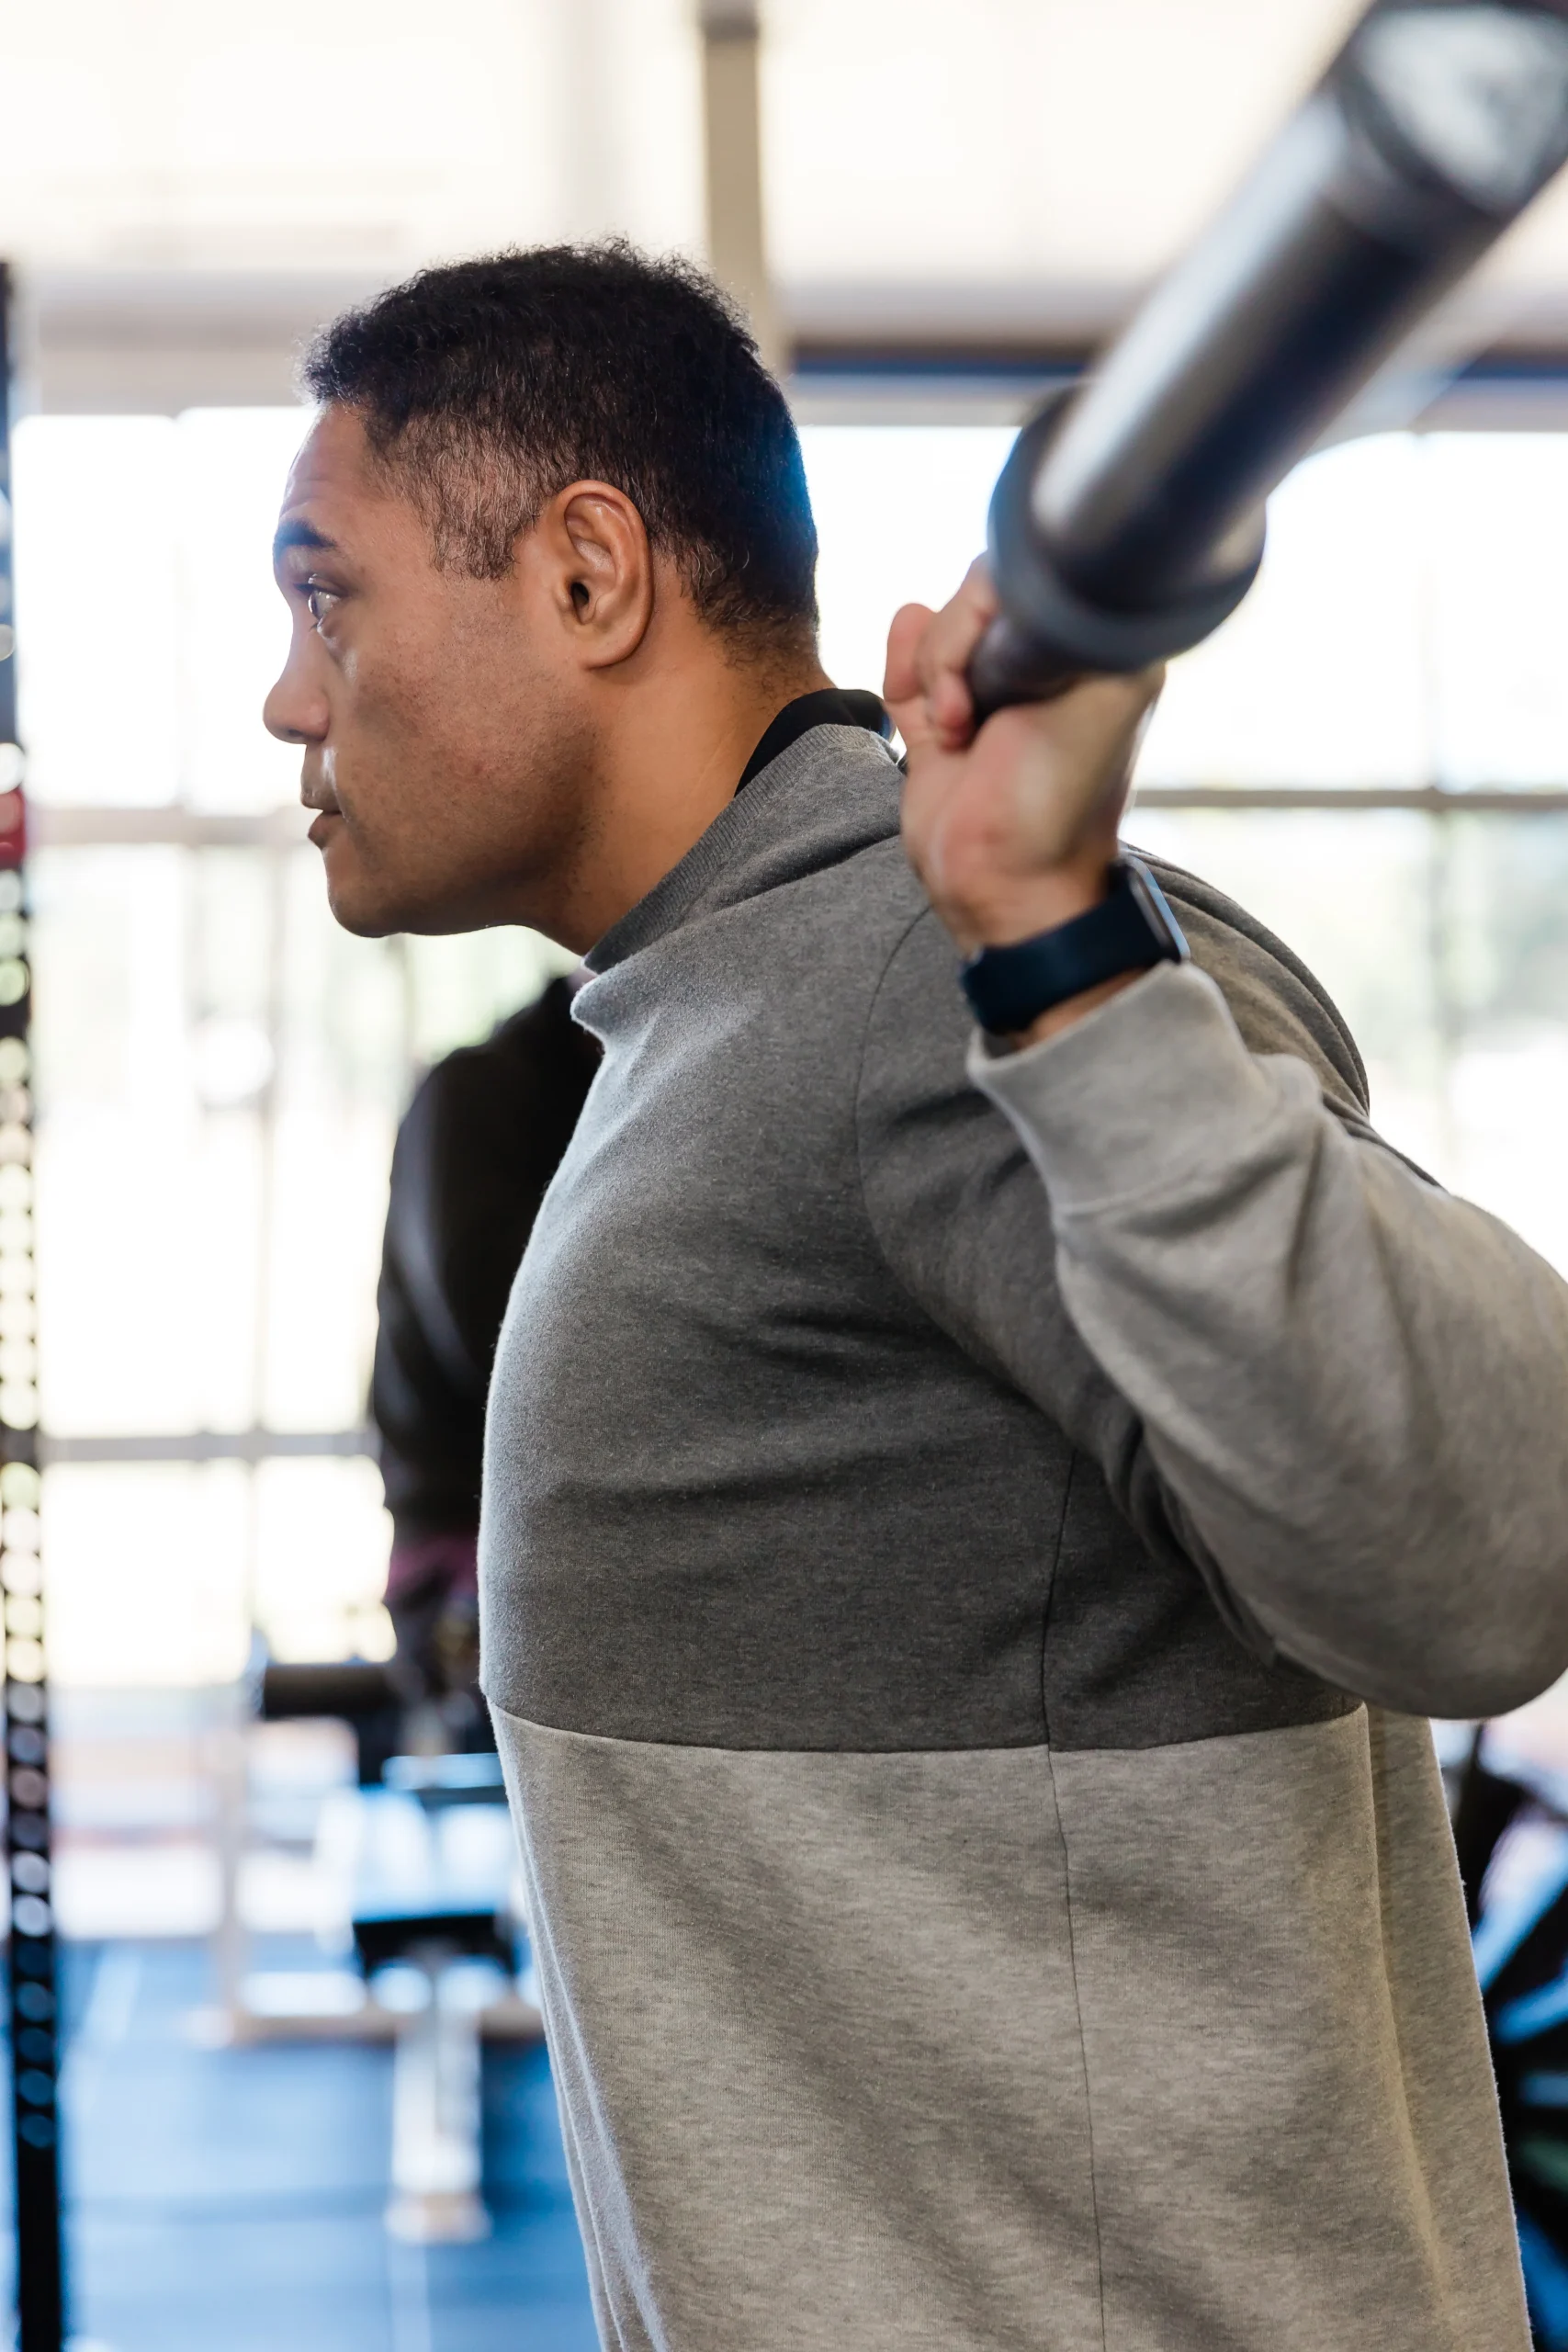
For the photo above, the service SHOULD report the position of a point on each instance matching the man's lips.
(320, 831)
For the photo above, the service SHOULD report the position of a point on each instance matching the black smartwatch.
(1131, 930)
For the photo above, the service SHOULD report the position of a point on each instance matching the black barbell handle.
(1048, 636)
(1009, 667)
(1127, 523)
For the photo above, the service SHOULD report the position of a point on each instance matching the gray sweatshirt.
(967, 1545)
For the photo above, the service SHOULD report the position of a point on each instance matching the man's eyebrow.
(299, 534)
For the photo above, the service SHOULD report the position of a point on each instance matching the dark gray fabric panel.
(1137, 1655)
(740, 1491)
(1137, 1651)
(791, 1430)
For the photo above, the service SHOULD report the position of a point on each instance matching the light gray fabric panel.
(813, 2026)
(1447, 2068)
(840, 2070)
(1295, 2134)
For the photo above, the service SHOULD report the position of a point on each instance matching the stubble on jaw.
(467, 827)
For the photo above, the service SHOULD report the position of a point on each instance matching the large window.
(221, 1069)
(1374, 757)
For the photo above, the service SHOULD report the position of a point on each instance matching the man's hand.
(1014, 830)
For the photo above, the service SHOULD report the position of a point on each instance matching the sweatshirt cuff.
(1152, 1083)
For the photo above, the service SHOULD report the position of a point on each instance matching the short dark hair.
(487, 386)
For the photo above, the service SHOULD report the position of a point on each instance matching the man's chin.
(375, 907)
(363, 924)
(356, 907)
(360, 902)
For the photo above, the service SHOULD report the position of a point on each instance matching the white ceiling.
(185, 177)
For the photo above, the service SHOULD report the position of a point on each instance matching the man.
(478, 1146)
(968, 1520)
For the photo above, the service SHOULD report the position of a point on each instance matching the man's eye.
(319, 600)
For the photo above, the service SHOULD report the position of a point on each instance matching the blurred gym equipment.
(1511, 1831)
(415, 1865)
(435, 1935)
(417, 1874)
(1128, 522)
(33, 2010)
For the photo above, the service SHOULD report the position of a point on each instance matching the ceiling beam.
(737, 233)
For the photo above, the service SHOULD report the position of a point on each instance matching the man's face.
(443, 746)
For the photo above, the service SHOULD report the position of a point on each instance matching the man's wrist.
(1020, 910)
(1026, 989)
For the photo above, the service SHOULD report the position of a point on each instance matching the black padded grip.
(1127, 523)
(1008, 666)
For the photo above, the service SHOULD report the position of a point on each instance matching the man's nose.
(295, 709)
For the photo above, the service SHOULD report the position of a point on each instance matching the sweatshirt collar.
(831, 791)
(826, 706)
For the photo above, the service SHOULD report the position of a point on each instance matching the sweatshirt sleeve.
(1352, 1386)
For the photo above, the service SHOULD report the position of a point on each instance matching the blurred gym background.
(934, 213)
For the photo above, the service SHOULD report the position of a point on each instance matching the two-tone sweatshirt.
(969, 1542)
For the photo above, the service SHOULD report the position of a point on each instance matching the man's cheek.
(385, 765)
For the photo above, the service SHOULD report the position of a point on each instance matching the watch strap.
(1131, 930)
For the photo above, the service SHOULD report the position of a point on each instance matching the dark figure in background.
(475, 1155)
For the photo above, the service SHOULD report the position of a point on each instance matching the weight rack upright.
(32, 1978)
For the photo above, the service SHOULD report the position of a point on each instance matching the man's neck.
(674, 754)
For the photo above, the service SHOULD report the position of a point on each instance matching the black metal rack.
(33, 1988)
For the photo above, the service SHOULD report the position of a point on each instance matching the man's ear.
(589, 545)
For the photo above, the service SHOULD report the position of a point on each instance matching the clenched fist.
(1011, 829)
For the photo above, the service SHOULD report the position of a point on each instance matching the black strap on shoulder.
(828, 707)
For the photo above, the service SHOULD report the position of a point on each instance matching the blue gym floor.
(231, 2201)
